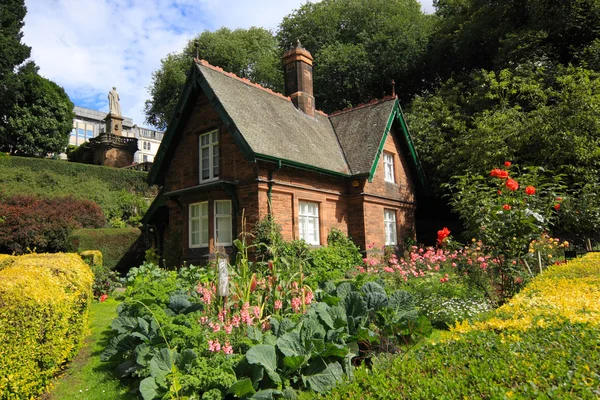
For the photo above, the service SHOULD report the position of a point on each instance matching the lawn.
(86, 377)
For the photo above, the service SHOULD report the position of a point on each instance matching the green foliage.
(14, 52)
(528, 115)
(40, 117)
(490, 365)
(359, 47)
(45, 303)
(333, 261)
(120, 193)
(122, 248)
(105, 280)
(249, 53)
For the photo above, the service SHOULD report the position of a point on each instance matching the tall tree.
(249, 53)
(14, 53)
(359, 46)
(39, 119)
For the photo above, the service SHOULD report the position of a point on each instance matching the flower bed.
(543, 343)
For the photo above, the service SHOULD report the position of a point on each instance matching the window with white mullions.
(209, 156)
(198, 225)
(308, 216)
(388, 165)
(223, 226)
(389, 220)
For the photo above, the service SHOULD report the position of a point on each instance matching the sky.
(89, 46)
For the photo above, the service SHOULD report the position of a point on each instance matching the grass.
(86, 377)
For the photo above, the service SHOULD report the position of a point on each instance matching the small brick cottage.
(234, 147)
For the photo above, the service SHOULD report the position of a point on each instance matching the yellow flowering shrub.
(92, 257)
(44, 306)
(566, 292)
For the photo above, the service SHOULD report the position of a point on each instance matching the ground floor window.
(308, 216)
(223, 235)
(198, 224)
(389, 220)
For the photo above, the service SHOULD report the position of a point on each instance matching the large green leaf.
(322, 311)
(332, 349)
(186, 359)
(119, 344)
(401, 300)
(179, 303)
(290, 344)
(161, 365)
(311, 329)
(376, 300)
(322, 377)
(149, 389)
(372, 287)
(242, 388)
(124, 324)
(267, 394)
(265, 356)
(356, 311)
(344, 289)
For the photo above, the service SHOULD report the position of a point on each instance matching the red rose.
(506, 207)
(103, 298)
(507, 163)
(442, 235)
(512, 185)
(559, 199)
(530, 190)
(557, 206)
(499, 192)
(502, 174)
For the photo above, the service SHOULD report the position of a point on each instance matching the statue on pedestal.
(113, 102)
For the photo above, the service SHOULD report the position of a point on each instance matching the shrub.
(105, 280)
(44, 224)
(120, 193)
(121, 248)
(539, 345)
(44, 305)
(333, 261)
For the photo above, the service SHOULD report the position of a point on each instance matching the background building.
(89, 123)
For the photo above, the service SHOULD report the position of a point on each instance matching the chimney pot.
(297, 63)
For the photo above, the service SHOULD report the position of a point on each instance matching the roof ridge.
(363, 105)
(243, 80)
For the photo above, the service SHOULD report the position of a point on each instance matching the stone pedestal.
(114, 124)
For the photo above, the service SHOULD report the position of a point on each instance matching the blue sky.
(88, 46)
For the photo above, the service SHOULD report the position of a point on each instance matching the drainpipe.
(270, 190)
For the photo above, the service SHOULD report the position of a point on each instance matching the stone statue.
(113, 102)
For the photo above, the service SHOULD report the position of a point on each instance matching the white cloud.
(88, 46)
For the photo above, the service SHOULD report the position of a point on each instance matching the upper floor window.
(198, 224)
(308, 216)
(388, 165)
(209, 156)
(389, 220)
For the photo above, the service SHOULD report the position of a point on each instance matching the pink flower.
(256, 311)
(214, 346)
(278, 304)
(296, 302)
(235, 321)
(227, 349)
(308, 298)
(228, 328)
(203, 320)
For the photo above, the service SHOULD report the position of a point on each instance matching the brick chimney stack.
(298, 63)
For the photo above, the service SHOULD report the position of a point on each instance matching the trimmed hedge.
(121, 193)
(43, 224)
(121, 248)
(44, 306)
(544, 343)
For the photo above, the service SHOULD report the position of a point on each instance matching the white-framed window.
(198, 224)
(388, 166)
(389, 220)
(308, 216)
(223, 228)
(209, 156)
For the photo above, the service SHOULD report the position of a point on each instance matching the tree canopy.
(359, 47)
(250, 53)
(40, 119)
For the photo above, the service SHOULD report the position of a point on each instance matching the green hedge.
(44, 306)
(121, 193)
(544, 343)
(121, 248)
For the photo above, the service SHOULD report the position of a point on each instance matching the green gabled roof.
(267, 126)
